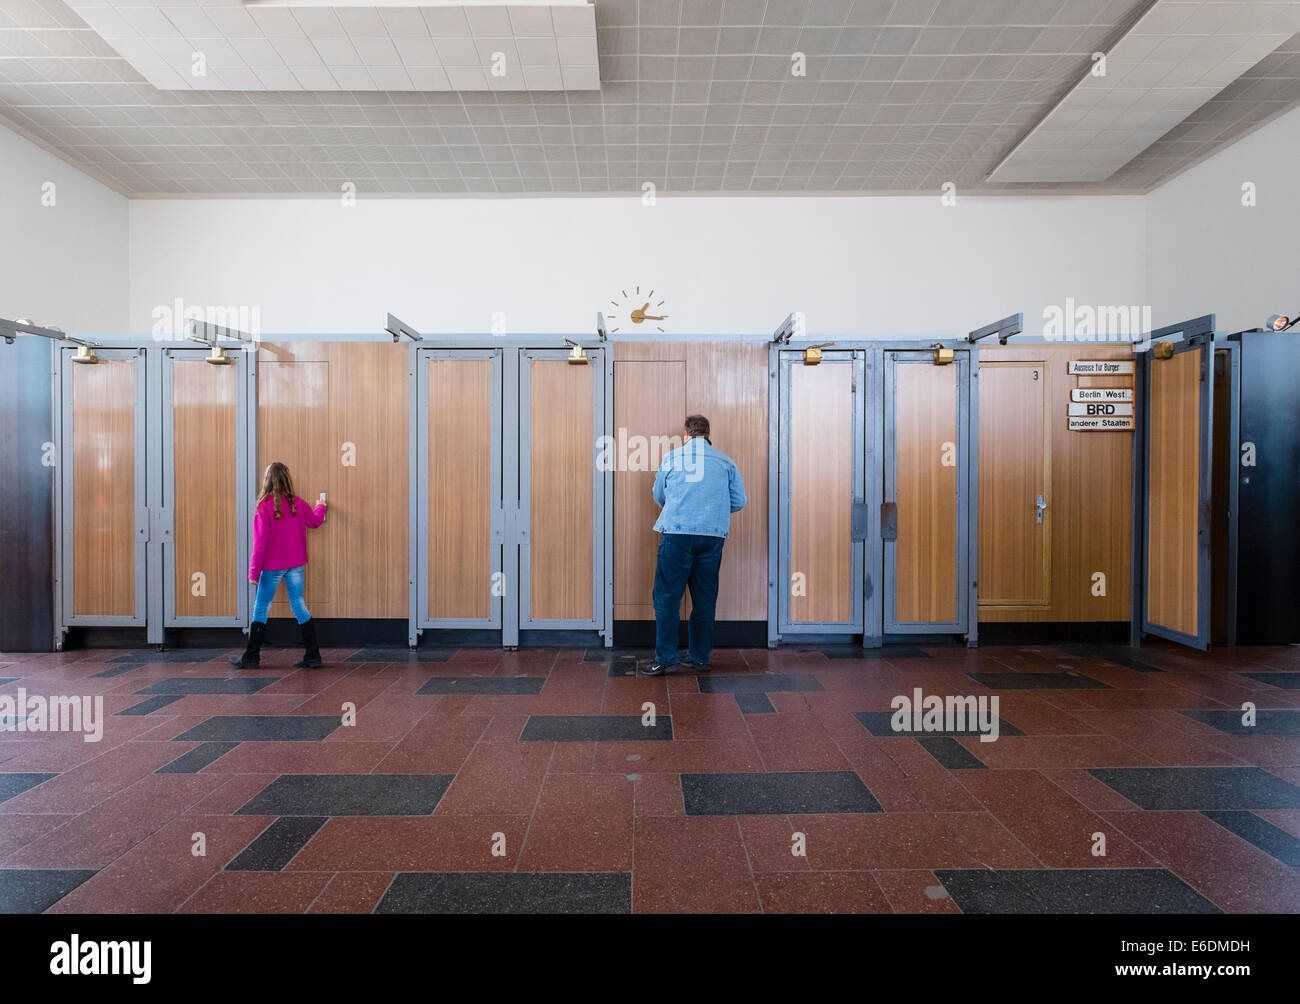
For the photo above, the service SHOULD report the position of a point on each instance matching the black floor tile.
(349, 795)
(1268, 722)
(616, 654)
(1200, 787)
(33, 890)
(825, 791)
(1119, 655)
(116, 670)
(755, 704)
(759, 683)
(884, 652)
(619, 667)
(196, 759)
(1283, 681)
(595, 729)
(1038, 681)
(879, 723)
(152, 704)
(16, 784)
(484, 685)
(508, 892)
(1272, 840)
(262, 728)
(385, 654)
(950, 753)
(184, 685)
(276, 846)
(144, 657)
(1070, 890)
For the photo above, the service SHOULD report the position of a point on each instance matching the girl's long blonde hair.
(277, 483)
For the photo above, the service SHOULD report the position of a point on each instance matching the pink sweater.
(282, 543)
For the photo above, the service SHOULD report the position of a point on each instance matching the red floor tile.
(691, 864)
(353, 892)
(582, 824)
(821, 892)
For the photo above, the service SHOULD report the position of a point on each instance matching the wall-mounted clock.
(637, 308)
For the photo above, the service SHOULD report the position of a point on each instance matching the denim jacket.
(698, 488)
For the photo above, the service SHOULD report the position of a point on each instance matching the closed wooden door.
(460, 455)
(561, 500)
(926, 459)
(820, 581)
(105, 510)
(1014, 491)
(205, 485)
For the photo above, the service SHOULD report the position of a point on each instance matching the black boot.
(252, 654)
(311, 652)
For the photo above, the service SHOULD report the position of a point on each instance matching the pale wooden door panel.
(205, 466)
(926, 493)
(104, 488)
(1014, 469)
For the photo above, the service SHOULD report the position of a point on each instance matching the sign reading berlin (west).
(1101, 394)
(1101, 423)
(1100, 408)
(1101, 367)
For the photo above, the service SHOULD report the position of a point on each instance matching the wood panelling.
(336, 413)
(1014, 469)
(460, 488)
(926, 491)
(656, 384)
(205, 469)
(727, 383)
(821, 492)
(103, 488)
(649, 405)
(1090, 506)
(560, 490)
(1173, 492)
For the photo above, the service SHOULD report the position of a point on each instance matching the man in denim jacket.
(697, 489)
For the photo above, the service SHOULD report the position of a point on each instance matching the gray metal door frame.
(66, 528)
(162, 537)
(786, 360)
(875, 430)
(964, 585)
(511, 518)
(420, 465)
(1196, 338)
(523, 512)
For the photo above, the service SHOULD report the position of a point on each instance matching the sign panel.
(1101, 408)
(1101, 423)
(1101, 367)
(1101, 394)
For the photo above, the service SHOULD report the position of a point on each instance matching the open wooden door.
(1178, 436)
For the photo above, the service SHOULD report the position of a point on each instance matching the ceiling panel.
(231, 45)
(696, 96)
(1178, 56)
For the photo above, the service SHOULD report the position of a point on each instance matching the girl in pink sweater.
(280, 526)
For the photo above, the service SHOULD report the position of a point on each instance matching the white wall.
(65, 264)
(1209, 253)
(890, 266)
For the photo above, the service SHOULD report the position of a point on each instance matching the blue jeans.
(269, 582)
(686, 560)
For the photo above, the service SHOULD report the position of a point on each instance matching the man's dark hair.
(697, 426)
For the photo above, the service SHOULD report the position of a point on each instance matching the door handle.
(1040, 507)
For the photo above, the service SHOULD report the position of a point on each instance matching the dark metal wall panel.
(26, 496)
(1268, 578)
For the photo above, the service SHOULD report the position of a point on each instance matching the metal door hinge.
(889, 521)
